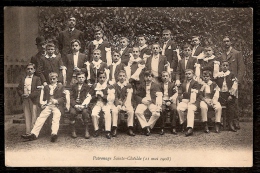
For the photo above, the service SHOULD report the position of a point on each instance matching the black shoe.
(87, 136)
(26, 136)
(236, 125)
(162, 132)
(114, 131)
(130, 132)
(108, 135)
(54, 137)
(206, 128)
(148, 132)
(232, 128)
(96, 133)
(189, 132)
(174, 131)
(183, 126)
(217, 127)
(73, 131)
(31, 137)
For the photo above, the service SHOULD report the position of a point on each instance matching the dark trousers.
(74, 113)
(232, 107)
(165, 111)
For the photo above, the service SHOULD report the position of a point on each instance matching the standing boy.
(124, 50)
(115, 67)
(145, 52)
(27, 89)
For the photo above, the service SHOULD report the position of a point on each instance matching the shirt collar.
(209, 82)
(148, 84)
(122, 84)
(101, 87)
(77, 53)
(156, 56)
(209, 58)
(166, 41)
(47, 56)
(95, 42)
(223, 74)
(28, 76)
(97, 64)
(118, 62)
(187, 58)
(142, 47)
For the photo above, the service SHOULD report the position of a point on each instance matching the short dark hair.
(75, 40)
(186, 46)
(165, 72)
(207, 72)
(143, 35)
(223, 61)
(50, 45)
(167, 30)
(30, 64)
(148, 73)
(80, 73)
(101, 72)
(189, 70)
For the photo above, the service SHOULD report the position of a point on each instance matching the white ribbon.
(128, 72)
(88, 69)
(67, 96)
(87, 100)
(216, 69)
(128, 102)
(137, 72)
(193, 95)
(159, 100)
(108, 56)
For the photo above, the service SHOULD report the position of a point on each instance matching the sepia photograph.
(128, 86)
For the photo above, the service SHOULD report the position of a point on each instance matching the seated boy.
(27, 89)
(209, 94)
(79, 100)
(125, 50)
(95, 66)
(52, 103)
(227, 83)
(123, 102)
(99, 94)
(145, 97)
(187, 94)
(74, 62)
(169, 102)
(115, 67)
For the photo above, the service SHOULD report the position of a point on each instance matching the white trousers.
(130, 116)
(182, 106)
(141, 118)
(30, 114)
(204, 111)
(42, 118)
(107, 115)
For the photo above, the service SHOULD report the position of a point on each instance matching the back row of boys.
(152, 66)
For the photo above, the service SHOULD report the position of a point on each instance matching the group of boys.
(129, 80)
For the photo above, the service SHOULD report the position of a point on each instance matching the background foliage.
(211, 24)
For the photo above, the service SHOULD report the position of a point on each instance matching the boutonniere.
(169, 47)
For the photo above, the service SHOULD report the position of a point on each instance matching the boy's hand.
(177, 83)
(229, 98)
(43, 106)
(120, 102)
(168, 103)
(45, 83)
(180, 98)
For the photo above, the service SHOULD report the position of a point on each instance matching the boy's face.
(187, 52)
(98, 35)
(141, 41)
(227, 42)
(72, 22)
(30, 70)
(148, 79)
(81, 78)
(189, 75)
(96, 55)
(75, 47)
(165, 77)
(206, 77)
(122, 77)
(116, 57)
(156, 49)
(53, 79)
(195, 41)
(123, 43)
(208, 51)
(102, 78)
(166, 36)
(225, 66)
(136, 52)
(50, 50)
(41, 47)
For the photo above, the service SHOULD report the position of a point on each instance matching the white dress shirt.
(28, 84)
(186, 61)
(164, 47)
(165, 93)
(154, 65)
(75, 59)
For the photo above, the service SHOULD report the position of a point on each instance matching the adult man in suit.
(169, 50)
(236, 66)
(144, 49)
(36, 59)
(187, 62)
(100, 44)
(156, 63)
(197, 49)
(74, 62)
(66, 36)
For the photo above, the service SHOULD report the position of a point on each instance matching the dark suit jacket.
(69, 63)
(58, 94)
(121, 94)
(49, 65)
(64, 39)
(91, 47)
(171, 88)
(181, 67)
(117, 70)
(93, 73)
(141, 92)
(186, 95)
(198, 51)
(236, 63)
(205, 64)
(161, 65)
(126, 55)
(134, 67)
(35, 93)
(36, 59)
(85, 89)
(146, 51)
(212, 91)
(229, 80)
(94, 98)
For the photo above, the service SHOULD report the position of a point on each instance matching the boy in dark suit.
(74, 62)
(156, 63)
(124, 50)
(169, 102)
(36, 59)
(29, 92)
(145, 97)
(102, 45)
(65, 37)
(115, 67)
(145, 52)
(79, 101)
(52, 103)
(228, 85)
(187, 62)
(187, 95)
(197, 49)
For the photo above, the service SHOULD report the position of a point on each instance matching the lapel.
(93, 68)
(168, 44)
(110, 72)
(160, 58)
(230, 54)
(33, 83)
(58, 87)
(191, 84)
(124, 52)
(183, 64)
(189, 62)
